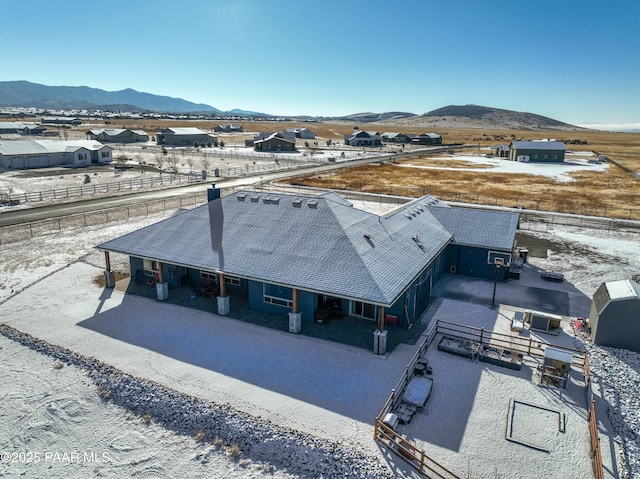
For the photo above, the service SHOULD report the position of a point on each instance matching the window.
(150, 267)
(212, 276)
(544, 157)
(534, 157)
(278, 295)
(82, 156)
(233, 281)
(554, 157)
(104, 154)
(364, 310)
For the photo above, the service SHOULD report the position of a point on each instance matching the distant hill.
(375, 117)
(487, 117)
(27, 94)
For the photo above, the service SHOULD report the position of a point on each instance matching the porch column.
(223, 299)
(162, 288)
(380, 335)
(295, 318)
(109, 276)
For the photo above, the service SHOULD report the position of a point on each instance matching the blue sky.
(575, 61)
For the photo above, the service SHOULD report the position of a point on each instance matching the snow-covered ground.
(560, 172)
(47, 290)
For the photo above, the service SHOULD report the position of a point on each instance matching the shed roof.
(558, 354)
(615, 291)
(311, 243)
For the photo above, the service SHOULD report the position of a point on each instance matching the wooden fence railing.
(417, 458)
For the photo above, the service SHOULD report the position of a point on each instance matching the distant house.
(228, 128)
(615, 315)
(33, 130)
(302, 133)
(391, 137)
(502, 151)
(10, 127)
(537, 151)
(427, 139)
(117, 135)
(61, 120)
(43, 153)
(187, 136)
(275, 142)
(363, 138)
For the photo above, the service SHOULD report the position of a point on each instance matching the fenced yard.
(428, 466)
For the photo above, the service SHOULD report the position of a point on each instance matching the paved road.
(9, 218)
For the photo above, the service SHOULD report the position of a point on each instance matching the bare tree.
(159, 159)
(205, 162)
(191, 162)
(172, 161)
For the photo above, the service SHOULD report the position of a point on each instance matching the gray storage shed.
(615, 315)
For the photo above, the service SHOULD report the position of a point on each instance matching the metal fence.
(26, 231)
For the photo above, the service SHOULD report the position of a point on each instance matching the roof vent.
(266, 200)
(313, 204)
(408, 215)
(255, 198)
(417, 240)
(367, 236)
(275, 200)
(297, 202)
(242, 196)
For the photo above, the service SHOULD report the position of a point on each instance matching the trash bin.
(524, 254)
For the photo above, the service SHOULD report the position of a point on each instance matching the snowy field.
(560, 172)
(47, 289)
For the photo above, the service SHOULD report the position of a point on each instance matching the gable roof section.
(312, 243)
(188, 130)
(539, 145)
(620, 290)
(481, 228)
(44, 147)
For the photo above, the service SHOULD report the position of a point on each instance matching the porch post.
(223, 299)
(109, 276)
(162, 288)
(380, 335)
(295, 318)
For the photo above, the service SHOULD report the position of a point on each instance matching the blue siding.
(471, 261)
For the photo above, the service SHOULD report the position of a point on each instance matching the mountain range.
(35, 95)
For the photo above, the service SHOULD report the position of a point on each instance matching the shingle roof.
(538, 145)
(311, 243)
(615, 291)
(41, 147)
(482, 228)
(184, 131)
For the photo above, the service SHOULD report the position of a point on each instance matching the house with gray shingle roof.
(537, 151)
(184, 136)
(43, 153)
(290, 254)
(117, 135)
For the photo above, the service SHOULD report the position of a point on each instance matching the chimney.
(213, 193)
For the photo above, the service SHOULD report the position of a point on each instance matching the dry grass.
(234, 452)
(58, 365)
(103, 392)
(146, 418)
(199, 435)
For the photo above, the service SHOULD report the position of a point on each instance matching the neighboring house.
(615, 315)
(537, 151)
(363, 138)
(391, 137)
(427, 139)
(43, 153)
(187, 136)
(228, 128)
(117, 135)
(290, 254)
(10, 127)
(502, 151)
(61, 120)
(302, 133)
(33, 130)
(275, 142)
